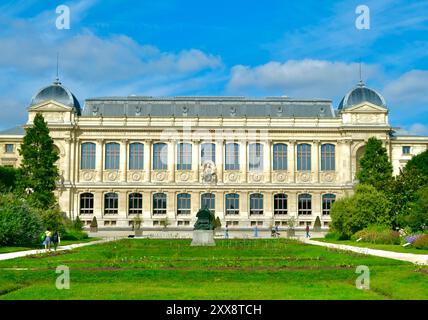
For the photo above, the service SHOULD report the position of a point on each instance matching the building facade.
(253, 161)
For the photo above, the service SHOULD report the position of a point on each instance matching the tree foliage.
(8, 176)
(366, 207)
(38, 170)
(375, 168)
(416, 217)
(20, 224)
(419, 163)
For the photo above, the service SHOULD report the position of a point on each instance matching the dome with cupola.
(57, 92)
(362, 94)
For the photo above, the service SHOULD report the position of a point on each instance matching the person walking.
(277, 231)
(55, 239)
(226, 232)
(307, 231)
(256, 232)
(47, 242)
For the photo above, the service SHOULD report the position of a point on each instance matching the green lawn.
(234, 269)
(63, 243)
(388, 247)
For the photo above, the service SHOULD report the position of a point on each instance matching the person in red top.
(307, 231)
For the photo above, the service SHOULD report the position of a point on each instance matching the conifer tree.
(375, 168)
(38, 171)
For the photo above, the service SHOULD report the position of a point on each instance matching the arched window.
(280, 203)
(208, 200)
(232, 203)
(303, 157)
(255, 157)
(305, 204)
(159, 203)
(160, 156)
(183, 203)
(87, 156)
(184, 156)
(328, 154)
(111, 203)
(136, 156)
(256, 203)
(231, 157)
(207, 152)
(327, 201)
(86, 203)
(280, 156)
(112, 156)
(135, 203)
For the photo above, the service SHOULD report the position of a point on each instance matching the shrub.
(94, 223)
(332, 235)
(412, 238)
(421, 242)
(317, 224)
(52, 219)
(77, 224)
(74, 235)
(19, 222)
(368, 206)
(378, 234)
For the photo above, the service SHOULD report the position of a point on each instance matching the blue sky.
(302, 49)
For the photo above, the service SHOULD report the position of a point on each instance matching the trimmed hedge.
(378, 234)
(74, 235)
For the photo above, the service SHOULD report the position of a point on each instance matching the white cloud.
(410, 88)
(299, 78)
(417, 129)
(90, 65)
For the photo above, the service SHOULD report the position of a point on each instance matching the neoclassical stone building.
(253, 161)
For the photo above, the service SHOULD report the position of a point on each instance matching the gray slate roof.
(208, 107)
(19, 130)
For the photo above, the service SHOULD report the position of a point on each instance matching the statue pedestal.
(203, 238)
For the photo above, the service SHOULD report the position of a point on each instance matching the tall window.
(136, 156)
(208, 200)
(112, 156)
(232, 203)
(328, 157)
(183, 203)
(184, 156)
(135, 203)
(160, 156)
(207, 152)
(9, 148)
(280, 203)
(256, 203)
(159, 203)
(327, 200)
(86, 203)
(111, 203)
(87, 156)
(280, 156)
(303, 157)
(305, 204)
(232, 157)
(255, 157)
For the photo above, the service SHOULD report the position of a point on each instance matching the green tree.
(419, 163)
(403, 192)
(366, 207)
(8, 178)
(77, 224)
(417, 215)
(375, 168)
(38, 170)
(20, 225)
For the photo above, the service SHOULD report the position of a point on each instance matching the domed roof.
(59, 93)
(361, 94)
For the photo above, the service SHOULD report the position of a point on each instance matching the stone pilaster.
(292, 160)
(99, 158)
(123, 161)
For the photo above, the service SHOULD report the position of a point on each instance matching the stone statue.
(206, 220)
